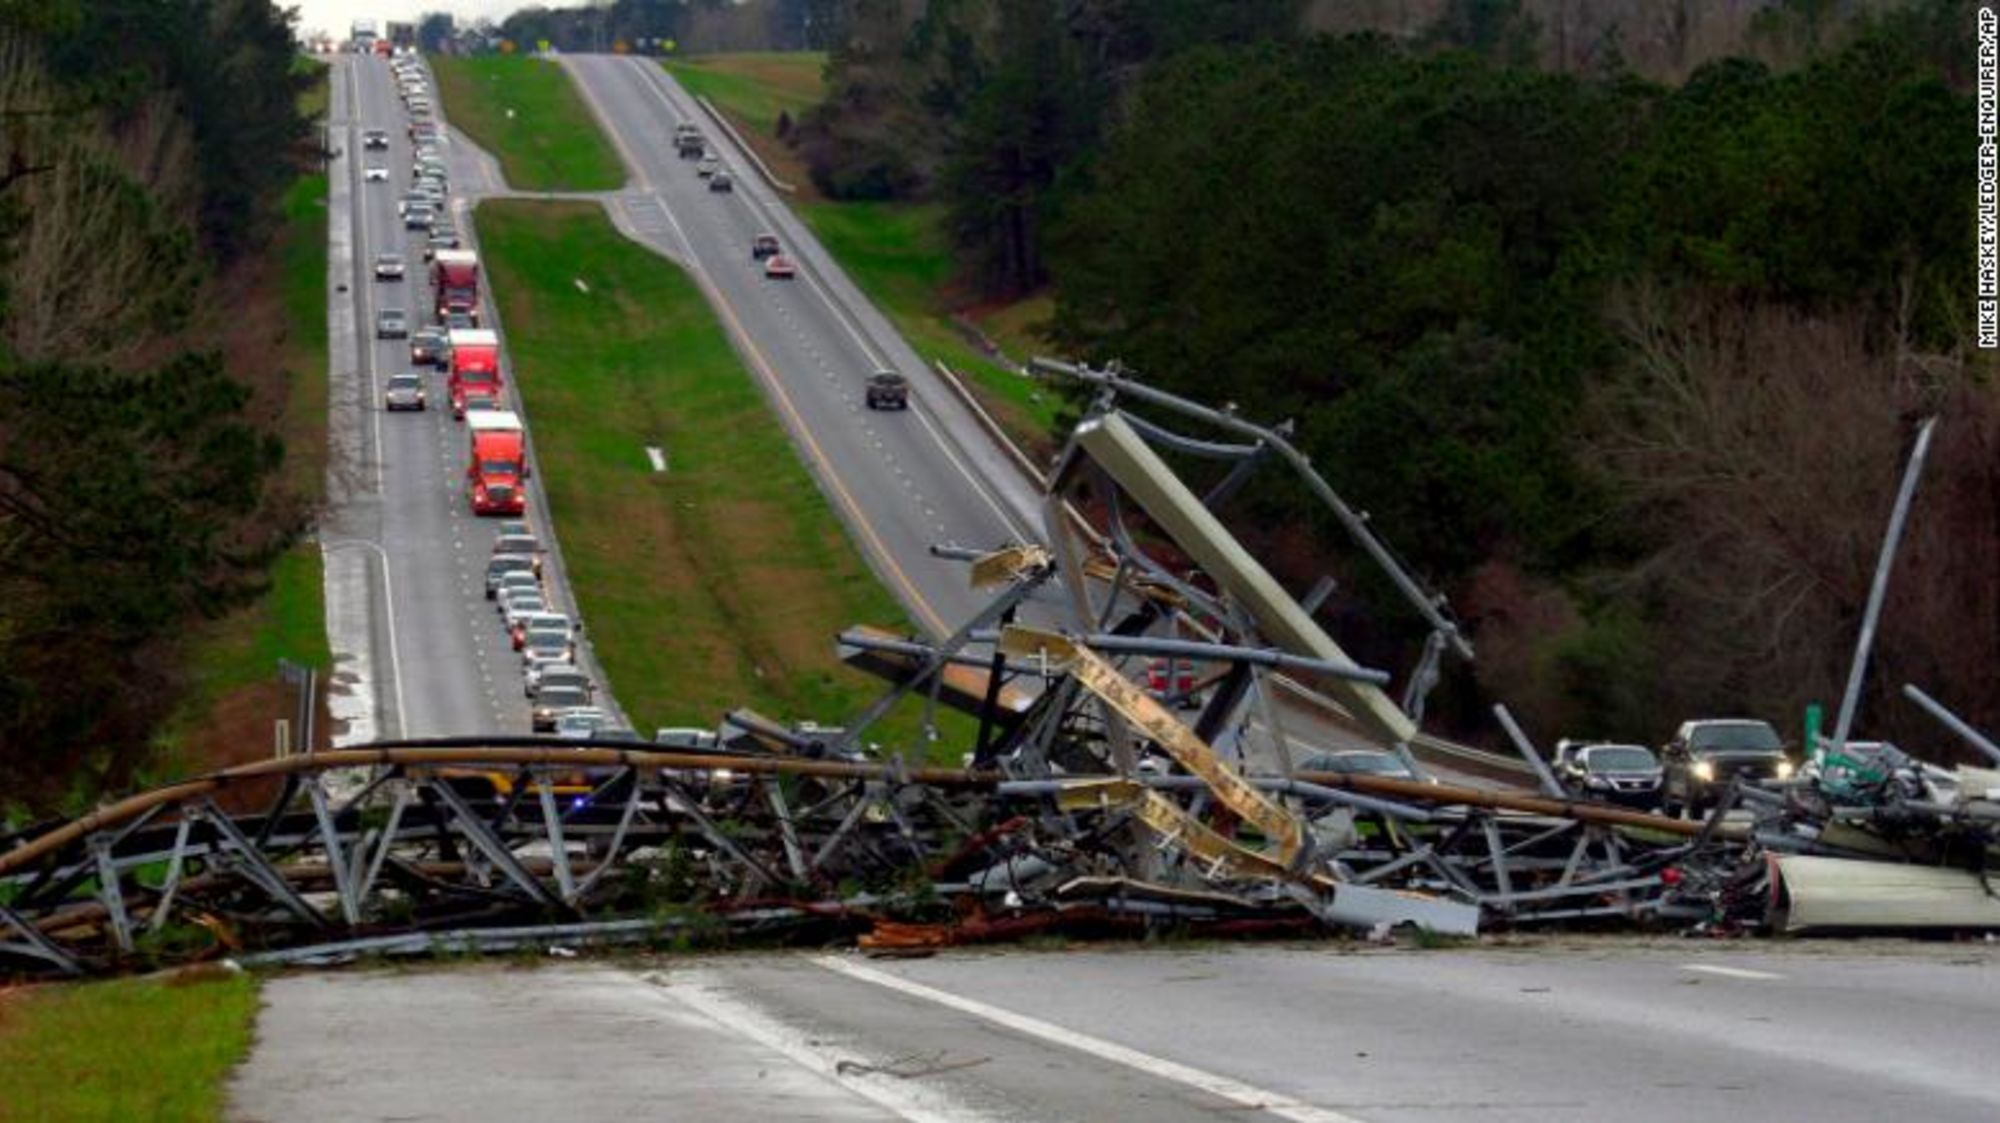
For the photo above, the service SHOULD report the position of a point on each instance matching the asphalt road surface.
(1580, 1031)
(418, 649)
(902, 481)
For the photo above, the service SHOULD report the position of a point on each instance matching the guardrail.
(722, 123)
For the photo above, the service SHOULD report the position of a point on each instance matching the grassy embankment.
(126, 1049)
(528, 114)
(235, 692)
(722, 581)
(896, 252)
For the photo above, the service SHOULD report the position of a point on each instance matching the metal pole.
(1953, 722)
(1880, 589)
(1426, 604)
(1521, 742)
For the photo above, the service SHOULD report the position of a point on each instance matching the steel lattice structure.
(1086, 799)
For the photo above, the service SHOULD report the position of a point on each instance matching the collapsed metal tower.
(1084, 799)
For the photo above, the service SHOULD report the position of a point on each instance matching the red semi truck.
(475, 366)
(455, 280)
(495, 474)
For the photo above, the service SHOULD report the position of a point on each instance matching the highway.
(1566, 1029)
(1573, 1030)
(902, 481)
(418, 649)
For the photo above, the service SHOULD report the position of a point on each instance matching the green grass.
(722, 582)
(898, 255)
(302, 271)
(128, 1049)
(551, 143)
(313, 101)
(289, 622)
(756, 86)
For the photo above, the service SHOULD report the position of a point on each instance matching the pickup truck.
(1705, 756)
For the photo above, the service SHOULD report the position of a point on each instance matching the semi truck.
(455, 280)
(475, 366)
(498, 464)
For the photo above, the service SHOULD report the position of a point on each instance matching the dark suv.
(1625, 774)
(1705, 756)
(888, 390)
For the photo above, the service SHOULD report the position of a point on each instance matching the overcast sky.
(336, 16)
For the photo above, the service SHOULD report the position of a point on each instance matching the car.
(436, 241)
(552, 702)
(521, 604)
(473, 402)
(459, 321)
(375, 139)
(407, 200)
(888, 390)
(780, 267)
(1610, 773)
(392, 323)
(500, 565)
(511, 580)
(503, 570)
(388, 267)
(419, 218)
(555, 674)
(514, 526)
(763, 246)
(682, 737)
(545, 623)
(404, 391)
(581, 723)
(429, 347)
(375, 175)
(1357, 762)
(526, 544)
(550, 644)
(720, 181)
(708, 166)
(1705, 756)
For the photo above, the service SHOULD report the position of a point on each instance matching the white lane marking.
(906, 1099)
(1729, 972)
(1214, 1084)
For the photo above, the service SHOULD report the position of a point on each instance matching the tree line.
(1626, 365)
(145, 146)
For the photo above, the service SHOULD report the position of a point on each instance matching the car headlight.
(1785, 770)
(1596, 782)
(1703, 770)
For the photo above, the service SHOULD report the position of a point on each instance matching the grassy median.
(722, 581)
(528, 114)
(127, 1049)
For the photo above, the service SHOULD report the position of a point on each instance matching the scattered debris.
(1097, 795)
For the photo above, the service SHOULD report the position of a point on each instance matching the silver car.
(388, 267)
(404, 391)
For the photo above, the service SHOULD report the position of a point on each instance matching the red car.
(779, 267)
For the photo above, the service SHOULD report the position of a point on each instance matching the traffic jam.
(455, 343)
